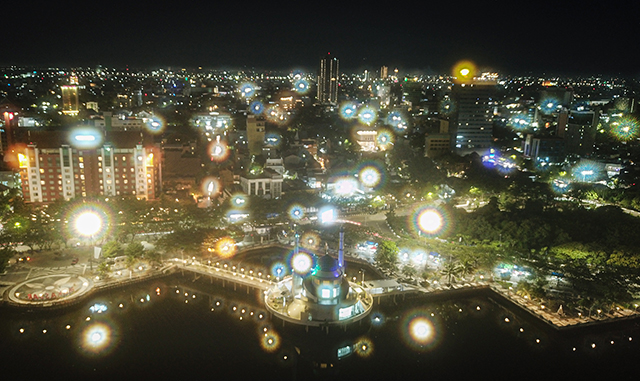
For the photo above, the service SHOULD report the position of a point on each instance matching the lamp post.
(429, 221)
(88, 224)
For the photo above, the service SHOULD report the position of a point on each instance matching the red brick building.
(63, 165)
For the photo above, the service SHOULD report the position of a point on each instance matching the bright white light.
(430, 221)
(327, 216)
(370, 176)
(85, 138)
(345, 187)
(301, 263)
(88, 223)
(99, 308)
(96, 338)
(421, 330)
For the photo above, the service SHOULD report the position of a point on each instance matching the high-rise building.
(59, 165)
(580, 134)
(255, 134)
(472, 120)
(70, 100)
(438, 144)
(328, 80)
(544, 149)
(384, 72)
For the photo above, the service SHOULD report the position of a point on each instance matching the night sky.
(517, 38)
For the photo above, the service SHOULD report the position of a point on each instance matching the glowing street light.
(430, 221)
(301, 263)
(88, 224)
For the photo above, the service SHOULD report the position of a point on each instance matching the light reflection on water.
(179, 327)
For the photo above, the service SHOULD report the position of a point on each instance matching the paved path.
(558, 320)
(227, 274)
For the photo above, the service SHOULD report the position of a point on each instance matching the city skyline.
(563, 39)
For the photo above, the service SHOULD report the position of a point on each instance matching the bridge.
(228, 275)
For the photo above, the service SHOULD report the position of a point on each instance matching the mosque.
(318, 293)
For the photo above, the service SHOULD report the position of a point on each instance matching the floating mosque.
(318, 292)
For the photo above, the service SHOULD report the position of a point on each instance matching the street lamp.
(586, 173)
(429, 221)
(88, 224)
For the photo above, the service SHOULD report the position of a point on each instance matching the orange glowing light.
(464, 71)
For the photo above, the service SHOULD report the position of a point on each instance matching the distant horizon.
(562, 39)
(305, 69)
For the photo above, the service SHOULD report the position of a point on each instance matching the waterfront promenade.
(63, 286)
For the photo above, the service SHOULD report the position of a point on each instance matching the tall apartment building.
(59, 165)
(384, 72)
(255, 134)
(328, 80)
(580, 133)
(70, 102)
(438, 144)
(473, 120)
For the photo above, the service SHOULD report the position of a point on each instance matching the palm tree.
(524, 289)
(468, 267)
(451, 270)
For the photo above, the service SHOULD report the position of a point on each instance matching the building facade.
(580, 134)
(328, 80)
(255, 134)
(52, 167)
(473, 120)
(437, 145)
(549, 150)
(70, 102)
(267, 185)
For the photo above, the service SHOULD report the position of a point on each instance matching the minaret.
(341, 249)
(296, 281)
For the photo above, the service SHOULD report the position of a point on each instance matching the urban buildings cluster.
(81, 132)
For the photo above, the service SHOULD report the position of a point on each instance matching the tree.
(6, 252)
(409, 272)
(111, 249)
(152, 256)
(189, 240)
(134, 250)
(451, 270)
(133, 214)
(103, 270)
(468, 266)
(387, 255)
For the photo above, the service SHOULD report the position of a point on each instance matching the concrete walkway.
(560, 320)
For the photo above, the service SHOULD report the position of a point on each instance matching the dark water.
(165, 338)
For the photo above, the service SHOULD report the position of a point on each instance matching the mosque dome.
(327, 264)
